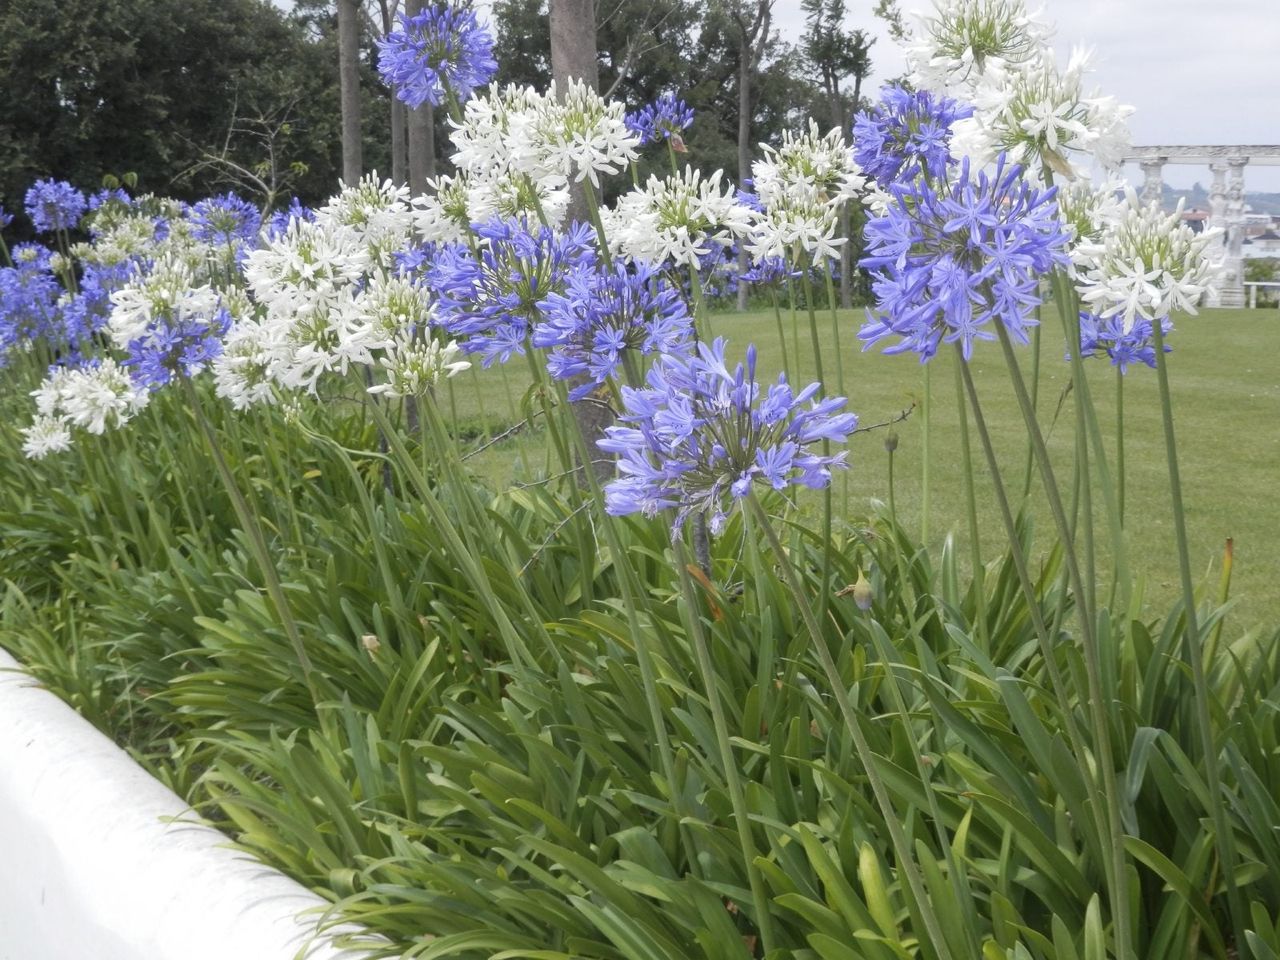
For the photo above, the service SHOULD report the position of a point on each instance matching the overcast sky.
(1198, 71)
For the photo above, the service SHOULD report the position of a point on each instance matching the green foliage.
(483, 777)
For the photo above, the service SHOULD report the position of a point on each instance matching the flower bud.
(371, 643)
(863, 595)
(891, 441)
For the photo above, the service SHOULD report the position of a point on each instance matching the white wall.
(90, 869)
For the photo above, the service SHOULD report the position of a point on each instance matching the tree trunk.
(420, 120)
(573, 57)
(848, 269)
(399, 155)
(349, 89)
(744, 151)
(841, 123)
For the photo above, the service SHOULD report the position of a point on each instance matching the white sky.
(1198, 71)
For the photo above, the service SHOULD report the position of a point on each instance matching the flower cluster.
(490, 295)
(661, 120)
(959, 40)
(54, 205)
(1144, 264)
(906, 134)
(439, 52)
(604, 314)
(226, 221)
(949, 258)
(698, 436)
(1034, 111)
(1108, 336)
(95, 397)
(678, 219)
(801, 187)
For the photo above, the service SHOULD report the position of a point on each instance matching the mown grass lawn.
(1226, 385)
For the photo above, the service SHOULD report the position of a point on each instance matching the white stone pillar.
(1152, 183)
(1233, 272)
(1218, 221)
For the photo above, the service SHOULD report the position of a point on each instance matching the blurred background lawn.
(1225, 375)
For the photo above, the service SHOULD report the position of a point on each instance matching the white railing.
(1253, 286)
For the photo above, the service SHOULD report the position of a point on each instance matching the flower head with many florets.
(661, 120)
(906, 134)
(442, 50)
(949, 258)
(1108, 337)
(225, 221)
(488, 297)
(54, 205)
(699, 436)
(603, 314)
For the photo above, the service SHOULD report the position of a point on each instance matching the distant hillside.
(1198, 196)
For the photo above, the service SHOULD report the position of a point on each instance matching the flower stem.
(1195, 650)
(901, 846)
(737, 796)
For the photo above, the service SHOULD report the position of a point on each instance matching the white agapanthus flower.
(517, 196)
(375, 214)
(1145, 263)
(577, 137)
(46, 435)
(803, 186)
(168, 291)
(309, 265)
(392, 305)
(677, 219)
(242, 372)
(443, 213)
(412, 365)
(1040, 115)
(485, 140)
(956, 42)
(94, 398)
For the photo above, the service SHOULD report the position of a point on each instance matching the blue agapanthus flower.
(661, 120)
(6, 218)
(182, 344)
(108, 196)
(948, 258)
(1107, 336)
(441, 50)
(54, 205)
(86, 312)
(771, 271)
(698, 436)
(908, 132)
(225, 221)
(488, 298)
(278, 222)
(29, 295)
(604, 314)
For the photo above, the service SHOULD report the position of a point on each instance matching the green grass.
(1226, 390)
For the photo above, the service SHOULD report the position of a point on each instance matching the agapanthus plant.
(488, 296)
(603, 315)
(678, 219)
(949, 258)
(441, 51)
(226, 221)
(54, 205)
(699, 436)
(661, 120)
(1108, 337)
(906, 134)
(956, 42)
(1145, 264)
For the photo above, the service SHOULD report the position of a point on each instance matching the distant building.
(1263, 246)
(1196, 219)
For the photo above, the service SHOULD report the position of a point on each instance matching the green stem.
(1195, 651)
(971, 508)
(892, 820)
(258, 544)
(737, 796)
(1116, 866)
(926, 410)
(1120, 441)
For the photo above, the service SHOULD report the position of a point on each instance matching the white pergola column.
(1152, 182)
(1233, 266)
(1218, 220)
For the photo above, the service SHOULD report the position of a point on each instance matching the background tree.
(349, 14)
(836, 54)
(155, 86)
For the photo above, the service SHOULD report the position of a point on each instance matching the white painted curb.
(92, 868)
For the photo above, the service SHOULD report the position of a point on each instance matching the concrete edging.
(93, 866)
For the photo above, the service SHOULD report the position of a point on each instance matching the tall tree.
(752, 19)
(349, 14)
(422, 148)
(835, 53)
